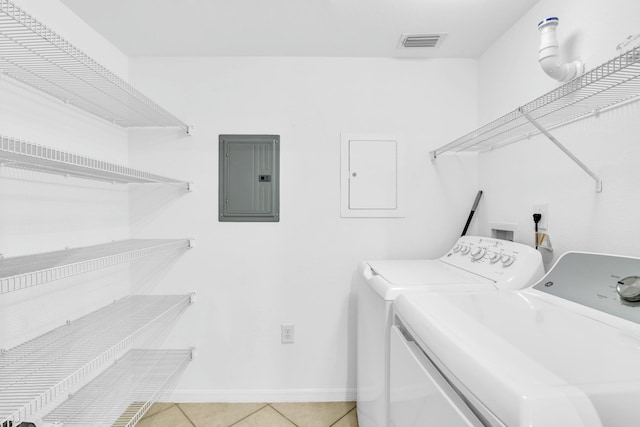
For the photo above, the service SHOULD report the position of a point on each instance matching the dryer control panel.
(606, 283)
(511, 265)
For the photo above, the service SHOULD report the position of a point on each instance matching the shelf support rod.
(564, 149)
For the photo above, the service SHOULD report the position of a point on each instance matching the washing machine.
(560, 353)
(473, 263)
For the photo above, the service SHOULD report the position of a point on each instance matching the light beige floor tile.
(169, 417)
(266, 416)
(314, 414)
(157, 407)
(218, 414)
(349, 420)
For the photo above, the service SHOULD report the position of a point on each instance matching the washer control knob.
(629, 288)
(456, 248)
(464, 249)
(494, 257)
(478, 253)
(507, 260)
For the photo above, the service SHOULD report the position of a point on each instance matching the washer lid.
(392, 278)
(420, 272)
(530, 361)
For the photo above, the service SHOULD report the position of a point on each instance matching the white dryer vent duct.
(549, 56)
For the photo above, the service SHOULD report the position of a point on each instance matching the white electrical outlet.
(288, 333)
(542, 209)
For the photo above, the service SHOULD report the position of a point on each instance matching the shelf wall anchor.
(566, 151)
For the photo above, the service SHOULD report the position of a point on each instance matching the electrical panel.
(249, 178)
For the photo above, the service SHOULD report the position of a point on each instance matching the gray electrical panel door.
(249, 181)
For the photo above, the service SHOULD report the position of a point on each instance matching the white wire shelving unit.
(38, 57)
(123, 393)
(36, 373)
(23, 272)
(612, 83)
(21, 154)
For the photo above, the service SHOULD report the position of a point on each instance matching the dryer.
(473, 263)
(561, 353)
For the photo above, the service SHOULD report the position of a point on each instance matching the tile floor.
(315, 414)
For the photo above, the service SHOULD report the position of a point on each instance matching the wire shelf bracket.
(565, 150)
(40, 371)
(36, 56)
(23, 272)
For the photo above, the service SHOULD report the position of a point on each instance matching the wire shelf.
(123, 393)
(612, 83)
(38, 57)
(30, 270)
(35, 373)
(26, 155)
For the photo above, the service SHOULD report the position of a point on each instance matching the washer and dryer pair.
(477, 264)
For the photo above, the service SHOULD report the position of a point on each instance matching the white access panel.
(373, 181)
(369, 176)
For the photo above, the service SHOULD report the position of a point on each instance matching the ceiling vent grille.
(421, 40)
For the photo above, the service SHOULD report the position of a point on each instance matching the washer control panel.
(608, 283)
(499, 252)
(511, 265)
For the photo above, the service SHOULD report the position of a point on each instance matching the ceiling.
(364, 28)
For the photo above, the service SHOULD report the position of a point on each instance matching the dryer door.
(420, 396)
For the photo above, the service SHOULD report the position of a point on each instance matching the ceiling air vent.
(421, 40)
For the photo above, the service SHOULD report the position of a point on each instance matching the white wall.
(251, 277)
(519, 175)
(41, 212)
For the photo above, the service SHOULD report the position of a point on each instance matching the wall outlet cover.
(288, 333)
(542, 209)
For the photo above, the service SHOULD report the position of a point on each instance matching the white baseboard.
(266, 396)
